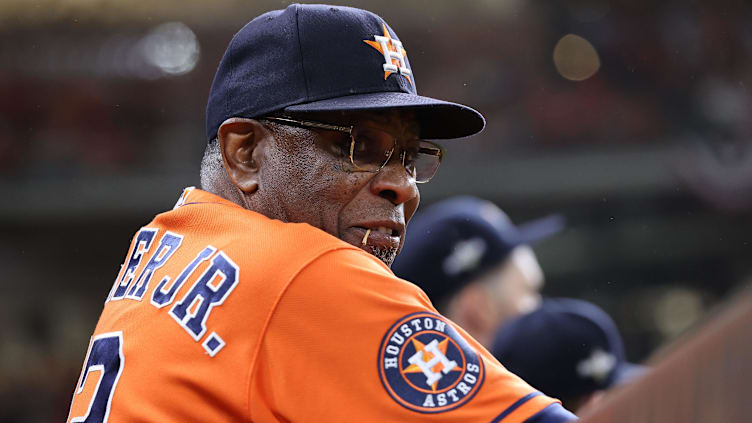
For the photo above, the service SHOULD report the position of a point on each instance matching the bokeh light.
(677, 310)
(575, 58)
(171, 47)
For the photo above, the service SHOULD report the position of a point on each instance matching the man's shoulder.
(350, 272)
(232, 227)
(272, 240)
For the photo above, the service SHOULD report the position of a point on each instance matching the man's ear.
(240, 141)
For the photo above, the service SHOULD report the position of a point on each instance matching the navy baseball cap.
(320, 58)
(565, 348)
(455, 241)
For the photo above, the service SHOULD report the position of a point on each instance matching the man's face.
(514, 286)
(306, 177)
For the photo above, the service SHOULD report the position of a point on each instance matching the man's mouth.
(379, 236)
(378, 240)
(379, 230)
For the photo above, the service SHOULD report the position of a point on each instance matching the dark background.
(638, 132)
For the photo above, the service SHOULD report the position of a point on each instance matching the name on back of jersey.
(191, 311)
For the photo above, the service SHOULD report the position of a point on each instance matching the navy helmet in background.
(567, 348)
(455, 241)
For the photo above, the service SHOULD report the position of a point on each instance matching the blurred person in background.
(569, 349)
(475, 265)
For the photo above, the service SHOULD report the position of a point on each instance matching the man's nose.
(394, 183)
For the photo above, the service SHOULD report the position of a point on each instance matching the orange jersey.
(220, 314)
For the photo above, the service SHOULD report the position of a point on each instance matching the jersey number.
(105, 357)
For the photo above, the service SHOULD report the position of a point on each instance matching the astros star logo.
(426, 366)
(394, 54)
(431, 360)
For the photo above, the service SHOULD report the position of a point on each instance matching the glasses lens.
(425, 161)
(370, 148)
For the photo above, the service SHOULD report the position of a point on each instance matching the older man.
(267, 296)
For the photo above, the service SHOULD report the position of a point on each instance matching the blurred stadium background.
(631, 118)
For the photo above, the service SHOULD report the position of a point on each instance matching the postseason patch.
(426, 366)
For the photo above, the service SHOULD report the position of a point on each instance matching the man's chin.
(386, 255)
(376, 245)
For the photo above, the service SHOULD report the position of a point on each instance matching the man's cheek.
(410, 208)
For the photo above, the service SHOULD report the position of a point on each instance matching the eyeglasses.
(370, 149)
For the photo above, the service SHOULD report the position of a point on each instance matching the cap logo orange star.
(394, 54)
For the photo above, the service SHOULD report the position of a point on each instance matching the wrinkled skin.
(293, 174)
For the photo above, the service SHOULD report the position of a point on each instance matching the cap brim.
(539, 229)
(438, 119)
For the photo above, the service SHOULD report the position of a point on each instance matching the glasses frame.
(436, 151)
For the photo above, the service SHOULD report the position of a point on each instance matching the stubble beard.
(386, 255)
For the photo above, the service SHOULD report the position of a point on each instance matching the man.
(267, 296)
(568, 348)
(476, 266)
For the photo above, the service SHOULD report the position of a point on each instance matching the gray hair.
(214, 177)
(213, 173)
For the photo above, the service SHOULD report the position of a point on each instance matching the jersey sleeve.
(350, 341)
(554, 413)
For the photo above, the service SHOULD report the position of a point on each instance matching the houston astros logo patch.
(427, 366)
